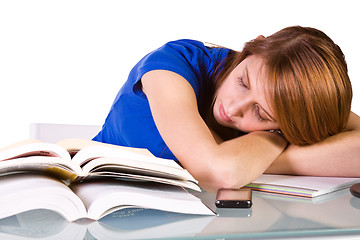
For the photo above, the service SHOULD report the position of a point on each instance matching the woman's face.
(240, 100)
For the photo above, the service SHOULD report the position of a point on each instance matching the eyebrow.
(249, 82)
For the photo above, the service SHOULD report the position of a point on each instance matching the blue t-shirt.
(130, 122)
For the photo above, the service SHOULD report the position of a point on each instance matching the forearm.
(338, 155)
(239, 161)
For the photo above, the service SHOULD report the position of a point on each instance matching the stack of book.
(87, 179)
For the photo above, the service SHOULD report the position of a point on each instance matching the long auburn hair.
(307, 84)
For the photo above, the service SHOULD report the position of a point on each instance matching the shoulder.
(189, 58)
(188, 48)
(191, 48)
(184, 55)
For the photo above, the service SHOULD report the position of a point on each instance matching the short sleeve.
(130, 122)
(188, 58)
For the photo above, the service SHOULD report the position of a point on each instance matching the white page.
(96, 151)
(99, 197)
(305, 182)
(24, 192)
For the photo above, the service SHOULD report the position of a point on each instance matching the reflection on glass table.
(271, 216)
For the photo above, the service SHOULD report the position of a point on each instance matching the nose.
(239, 107)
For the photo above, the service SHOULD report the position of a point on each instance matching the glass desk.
(334, 216)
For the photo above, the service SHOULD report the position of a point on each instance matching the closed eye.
(241, 83)
(257, 113)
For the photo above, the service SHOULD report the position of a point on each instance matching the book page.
(129, 164)
(305, 186)
(24, 192)
(54, 166)
(121, 176)
(96, 151)
(33, 148)
(304, 182)
(100, 197)
(74, 145)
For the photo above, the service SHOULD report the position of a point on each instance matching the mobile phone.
(234, 198)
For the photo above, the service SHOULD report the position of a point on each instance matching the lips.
(223, 115)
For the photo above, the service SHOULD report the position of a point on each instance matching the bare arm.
(215, 165)
(338, 155)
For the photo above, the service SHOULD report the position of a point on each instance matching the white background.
(64, 61)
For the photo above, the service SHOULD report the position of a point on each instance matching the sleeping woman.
(281, 105)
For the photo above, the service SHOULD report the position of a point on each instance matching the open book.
(82, 181)
(94, 199)
(74, 160)
(301, 186)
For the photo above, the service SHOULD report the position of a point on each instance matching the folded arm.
(338, 155)
(229, 164)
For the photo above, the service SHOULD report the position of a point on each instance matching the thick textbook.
(86, 179)
(301, 186)
(93, 199)
(75, 160)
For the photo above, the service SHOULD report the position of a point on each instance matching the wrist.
(274, 136)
